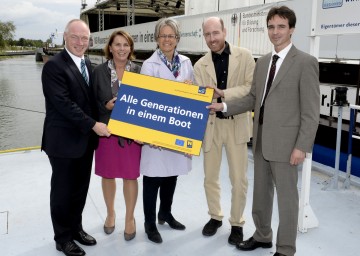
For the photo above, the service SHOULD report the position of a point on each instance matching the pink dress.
(113, 161)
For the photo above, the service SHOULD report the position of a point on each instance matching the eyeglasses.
(168, 36)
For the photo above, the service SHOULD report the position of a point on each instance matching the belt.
(225, 117)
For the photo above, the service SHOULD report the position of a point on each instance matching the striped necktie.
(83, 71)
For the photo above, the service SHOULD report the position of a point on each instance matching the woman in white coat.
(160, 167)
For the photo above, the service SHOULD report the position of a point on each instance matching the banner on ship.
(337, 17)
(165, 113)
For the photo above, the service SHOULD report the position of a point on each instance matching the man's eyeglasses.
(168, 36)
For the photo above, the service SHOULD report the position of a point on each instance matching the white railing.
(307, 218)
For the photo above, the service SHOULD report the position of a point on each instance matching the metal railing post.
(333, 182)
(340, 101)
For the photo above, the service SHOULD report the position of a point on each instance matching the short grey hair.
(167, 22)
(66, 30)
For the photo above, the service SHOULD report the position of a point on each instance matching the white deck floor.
(25, 225)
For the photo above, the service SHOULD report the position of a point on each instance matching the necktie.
(83, 71)
(268, 85)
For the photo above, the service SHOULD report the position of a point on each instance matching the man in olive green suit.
(285, 124)
(229, 68)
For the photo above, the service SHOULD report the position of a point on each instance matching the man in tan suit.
(285, 124)
(231, 69)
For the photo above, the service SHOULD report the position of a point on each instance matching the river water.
(22, 105)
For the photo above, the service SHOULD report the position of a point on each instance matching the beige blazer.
(292, 108)
(241, 68)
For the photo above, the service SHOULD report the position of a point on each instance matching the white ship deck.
(25, 225)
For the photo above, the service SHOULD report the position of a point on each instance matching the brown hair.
(283, 12)
(109, 55)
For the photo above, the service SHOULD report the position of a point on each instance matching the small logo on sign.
(202, 90)
(332, 4)
(189, 144)
(179, 142)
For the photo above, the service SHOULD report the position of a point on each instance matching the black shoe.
(152, 233)
(171, 221)
(211, 227)
(70, 249)
(236, 235)
(279, 254)
(252, 244)
(84, 238)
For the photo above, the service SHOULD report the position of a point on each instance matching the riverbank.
(17, 53)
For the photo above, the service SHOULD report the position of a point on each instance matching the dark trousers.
(69, 187)
(151, 185)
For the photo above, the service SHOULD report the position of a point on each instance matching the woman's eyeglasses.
(168, 36)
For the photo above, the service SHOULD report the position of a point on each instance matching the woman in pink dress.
(116, 157)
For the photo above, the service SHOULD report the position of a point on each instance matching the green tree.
(7, 30)
(22, 42)
(37, 43)
(2, 42)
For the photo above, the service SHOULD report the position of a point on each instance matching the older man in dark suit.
(70, 136)
(285, 97)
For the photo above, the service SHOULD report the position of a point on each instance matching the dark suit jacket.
(292, 109)
(102, 88)
(70, 108)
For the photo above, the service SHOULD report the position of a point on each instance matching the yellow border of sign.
(166, 86)
(167, 139)
(155, 137)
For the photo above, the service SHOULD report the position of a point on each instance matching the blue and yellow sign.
(165, 113)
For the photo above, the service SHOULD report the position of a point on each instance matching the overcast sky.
(37, 19)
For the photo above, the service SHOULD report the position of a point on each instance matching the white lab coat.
(162, 162)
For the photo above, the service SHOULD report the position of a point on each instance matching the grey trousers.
(282, 176)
